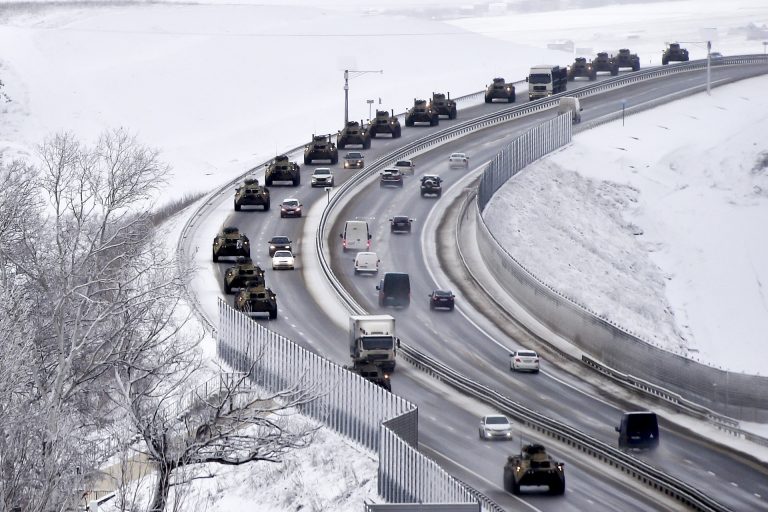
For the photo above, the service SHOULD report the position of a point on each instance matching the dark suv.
(395, 290)
(400, 224)
(431, 185)
(279, 243)
(441, 299)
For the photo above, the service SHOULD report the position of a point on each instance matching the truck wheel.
(664, 61)
(237, 207)
(507, 478)
(335, 159)
(227, 288)
(341, 143)
(307, 161)
(367, 144)
(268, 181)
(515, 486)
(511, 99)
(215, 257)
(408, 122)
(397, 133)
(266, 205)
(615, 71)
(488, 100)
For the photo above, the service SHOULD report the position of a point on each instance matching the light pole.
(765, 45)
(346, 88)
(709, 59)
(369, 102)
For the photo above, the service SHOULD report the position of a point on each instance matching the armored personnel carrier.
(444, 105)
(385, 123)
(534, 466)
(354, 133)
(321, 148)
(501, 90)
(605, 63)
(230, 242)
(581, 67)
(625, 59)
(674, 53)
(255, 298)
(421, 112)
(251, 194)
(282, 169)
(372, 372)
(243, 272)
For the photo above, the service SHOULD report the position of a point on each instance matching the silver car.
(495, 426)
(524, 360)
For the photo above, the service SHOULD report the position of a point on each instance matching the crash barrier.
(346, 403)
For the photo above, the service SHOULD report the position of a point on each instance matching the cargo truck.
(545, 80)
(372, 340)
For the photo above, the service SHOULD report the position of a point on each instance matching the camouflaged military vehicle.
(321, 148)
(282, 169)
(605, 63)
(421, 112)
(354, 133)
(385, 123)
(625, 59)
(230, 242)
(443, 105)
(256, 298)
(243, 272)
(371, 372)
(674, 53)
(250, 193)
(533, 466)
(501, 90)
(581, 68)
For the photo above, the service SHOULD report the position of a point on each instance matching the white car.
(524, 360)
(458, 160)
(495, 426)
(322, 177)
(282, 260)
(407, 167)
(366, 262)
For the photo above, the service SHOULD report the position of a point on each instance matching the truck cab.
(545, 80)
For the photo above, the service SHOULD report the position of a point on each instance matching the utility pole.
(709, 67)
(346, 87)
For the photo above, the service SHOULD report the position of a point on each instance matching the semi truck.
(372, 339)
(545, 80)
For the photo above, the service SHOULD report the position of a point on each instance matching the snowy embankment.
(659, 224)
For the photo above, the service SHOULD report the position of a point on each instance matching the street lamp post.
(346, 88)
(765, 45)
(369, 102)
(709, 47)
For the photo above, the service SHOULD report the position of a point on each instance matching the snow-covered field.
(220, 86)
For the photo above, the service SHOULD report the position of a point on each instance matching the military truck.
(603, 62)
(581, 68)
(321, 148)
(230, 242)
(674, 53)
(282, 169)
(534, 466)
(373, 373)
(625, 59)
(431, 185)
(250, 193)
(243, 272)
(385, 123)
(443, 105)
(421, 112)
(501, 90)
(256, 298)
(354, 133)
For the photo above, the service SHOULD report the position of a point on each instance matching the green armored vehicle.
(354, 133)
(282, 169)
(385, 123)
(674, 53)
(581, 68)
(421, 112)
(625, 59)
(243, 272)
(444, 105)
(255, 298)
(534, 466)
(230, 242)
(251, 194)
(605, 63)
(501, 90)
(321, 148)
(371, 372)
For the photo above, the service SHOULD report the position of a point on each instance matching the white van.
(366, 262)
(570, 104)
(356, 236)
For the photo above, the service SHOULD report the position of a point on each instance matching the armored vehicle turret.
(250, 193)
(354, 133)
(534, 466)
(321, 148)
(443, 105)
(372, 372)
(581, 68)
(385, 123)
(243, 272)
(282, 169)
(256, 298)
(499, 89)
(421, 112)
(625, 59)
(605, 63)
(674, 53)
(230, 242)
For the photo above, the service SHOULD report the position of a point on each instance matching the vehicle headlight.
(271, 246)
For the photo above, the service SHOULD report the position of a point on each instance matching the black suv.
(400, 224)
(441, 299)
(431, 185)
(279, 243)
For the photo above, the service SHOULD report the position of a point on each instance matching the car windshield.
(400, 219)
(403, 163)
(442, 293)
(283, 254)
(539, 78)
(377, 342)
(458, 155)
(496, 420)
(322, 171)
(280, 240)
(524, 353)
(354, 155)
(291, 202)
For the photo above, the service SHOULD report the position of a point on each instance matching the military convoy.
(422, 112)
(534, 466)
(251, 194)
(626, 59)
(500, 90)
(230, 242)
(255, 298)
(385, 123)
(243, 272)
(443, 105)
(581, 68)
(321, 148)
(354, 133)
(603, 62)
(674, 53)
(282, 169)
